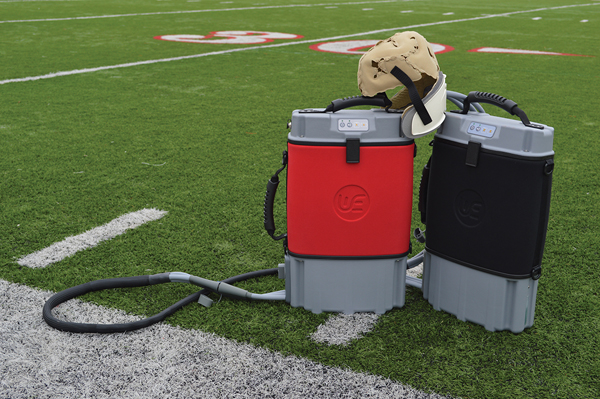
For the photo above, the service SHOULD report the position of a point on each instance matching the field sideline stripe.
(198, 11)
(32, 1)
(71, 245)
(325, 39)
(156, 362)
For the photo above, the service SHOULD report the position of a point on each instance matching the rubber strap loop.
(414, 94)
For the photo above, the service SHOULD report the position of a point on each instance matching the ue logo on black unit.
(469, 208)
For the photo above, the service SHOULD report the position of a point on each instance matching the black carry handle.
(508, 105)
(272, 184)
(268, 207)
(379, 100)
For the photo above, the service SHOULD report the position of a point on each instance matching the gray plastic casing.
(495, 302)
(510, 137)
(346, 286)
(318, 127)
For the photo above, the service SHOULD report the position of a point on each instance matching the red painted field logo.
(231, 37)
(351, 203)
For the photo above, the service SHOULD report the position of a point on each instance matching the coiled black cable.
(124, 282)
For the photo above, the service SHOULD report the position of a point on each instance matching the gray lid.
(498, 134)
(370, 126)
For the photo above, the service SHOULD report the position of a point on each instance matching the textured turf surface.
(199, 138)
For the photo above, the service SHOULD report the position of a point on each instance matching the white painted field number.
(360, 46)
(231, 37)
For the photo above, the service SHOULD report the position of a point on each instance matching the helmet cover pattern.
(410, 52)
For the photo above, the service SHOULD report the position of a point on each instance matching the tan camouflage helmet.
(408, 51)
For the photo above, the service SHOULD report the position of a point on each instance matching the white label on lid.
(353, 125)
(480, 129)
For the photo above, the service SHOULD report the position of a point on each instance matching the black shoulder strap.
(423, 190)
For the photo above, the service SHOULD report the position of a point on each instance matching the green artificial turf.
(78, 151)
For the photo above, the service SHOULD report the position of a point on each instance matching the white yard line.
(156, 362)
(341, 329)
(91, 238)
(323, 39)
(198, 11)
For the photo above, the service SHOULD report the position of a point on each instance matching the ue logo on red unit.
(351, 203)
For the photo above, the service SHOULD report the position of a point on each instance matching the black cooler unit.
(485, 198)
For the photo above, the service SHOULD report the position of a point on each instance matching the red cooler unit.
(349, 206)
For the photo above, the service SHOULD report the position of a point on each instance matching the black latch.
(536, 272)
(352, 150)
(472, 153)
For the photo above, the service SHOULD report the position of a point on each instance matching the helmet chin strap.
(413, 93)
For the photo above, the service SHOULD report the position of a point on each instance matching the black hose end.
(419, 235)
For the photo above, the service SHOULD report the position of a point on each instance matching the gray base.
(348, 286)
(495, 302)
